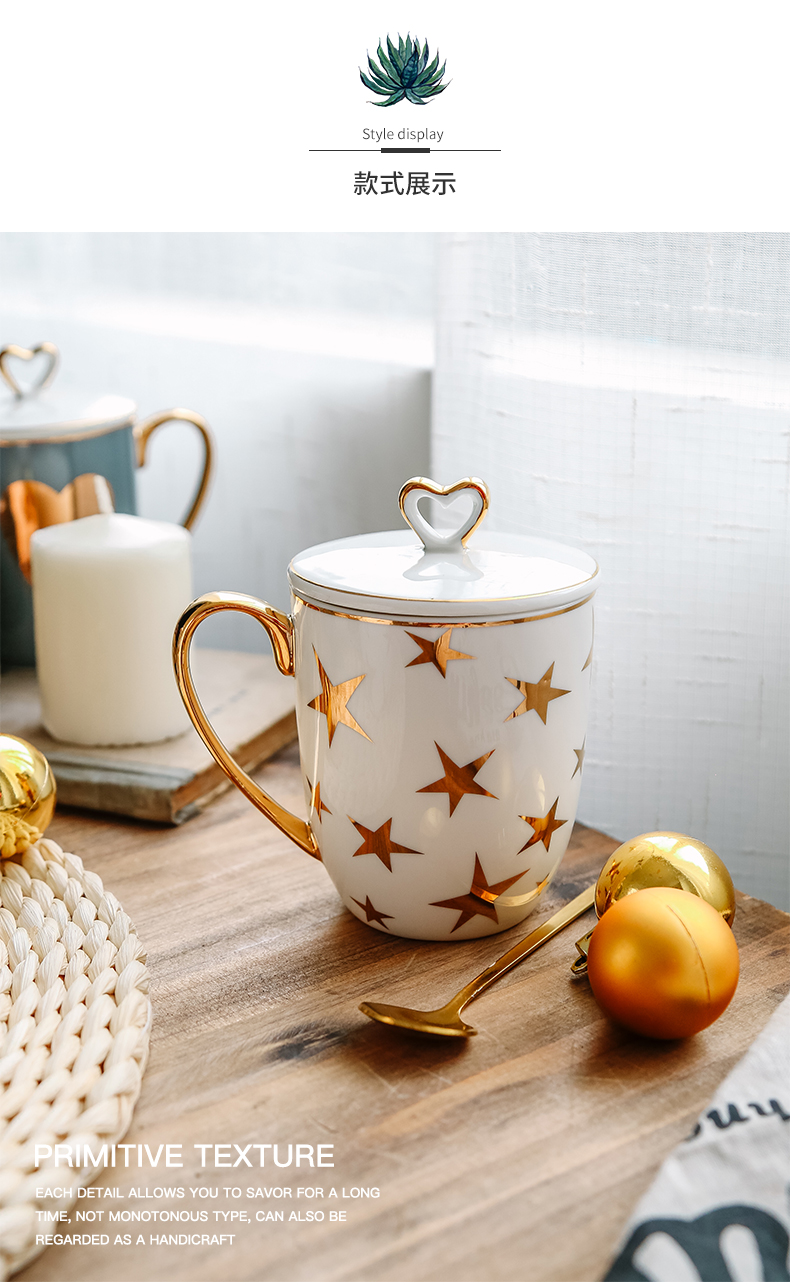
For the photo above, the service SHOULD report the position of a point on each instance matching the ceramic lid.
(456, 573)
(35, 412)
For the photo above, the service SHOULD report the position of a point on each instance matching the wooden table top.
(515, 1155)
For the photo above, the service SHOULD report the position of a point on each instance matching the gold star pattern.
(536, 695)
(379, 843)
(543, 827)
(436, 651)
(316, 802)
(333, 702)
(458, 781)
(371, 913)
(480, 898)
(579, 758)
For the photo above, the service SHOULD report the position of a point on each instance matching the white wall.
(309, 356)
(631, 395)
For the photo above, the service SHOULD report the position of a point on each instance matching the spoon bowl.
(435, 1021)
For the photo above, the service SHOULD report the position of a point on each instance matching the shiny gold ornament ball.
(27, 795)
(663, 963)
(666, 859)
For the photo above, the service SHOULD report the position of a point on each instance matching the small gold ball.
(27, 794)
(662, 962)
(666, 860)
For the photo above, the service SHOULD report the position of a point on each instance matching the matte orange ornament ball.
(663, 963)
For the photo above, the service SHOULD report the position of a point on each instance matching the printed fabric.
(719, 1209)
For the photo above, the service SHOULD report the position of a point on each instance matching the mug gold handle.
(279, 627)
(146, 427)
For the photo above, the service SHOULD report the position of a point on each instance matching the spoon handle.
(525, 947)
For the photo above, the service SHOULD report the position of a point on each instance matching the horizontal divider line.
(404, 149)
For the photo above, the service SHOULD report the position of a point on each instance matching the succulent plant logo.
(404, 72)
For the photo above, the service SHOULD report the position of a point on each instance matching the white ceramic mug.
(441, 698)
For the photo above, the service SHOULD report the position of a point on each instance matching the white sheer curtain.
(630, 393)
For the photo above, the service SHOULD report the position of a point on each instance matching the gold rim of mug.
(437, 624)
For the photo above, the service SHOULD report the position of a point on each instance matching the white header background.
(160, 115)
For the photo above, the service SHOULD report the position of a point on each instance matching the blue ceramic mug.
(54, 438)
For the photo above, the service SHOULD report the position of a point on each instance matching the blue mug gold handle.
(53, 455)
(142, 432)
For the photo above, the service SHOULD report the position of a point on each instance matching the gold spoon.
(447, 1020)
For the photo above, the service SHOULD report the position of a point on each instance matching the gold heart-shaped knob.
(454, 539)
(26, 506)
(28, 354)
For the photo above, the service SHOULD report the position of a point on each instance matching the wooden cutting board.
(249, 702)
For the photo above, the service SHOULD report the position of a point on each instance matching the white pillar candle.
(107, 592)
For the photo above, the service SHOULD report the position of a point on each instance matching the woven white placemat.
(74, 1021)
